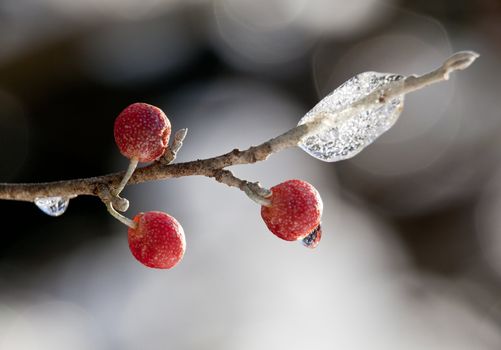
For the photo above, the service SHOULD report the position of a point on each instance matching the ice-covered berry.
(295, 210)
(157, 241)
(142, 132)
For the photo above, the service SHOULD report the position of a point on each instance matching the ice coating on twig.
(346, 134)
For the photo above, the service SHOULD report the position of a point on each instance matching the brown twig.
(102, 186)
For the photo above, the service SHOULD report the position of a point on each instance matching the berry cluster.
(142, 133)
(156, 239)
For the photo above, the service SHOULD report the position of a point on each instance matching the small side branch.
(177, 143)
(253, 190)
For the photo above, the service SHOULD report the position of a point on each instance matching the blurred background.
(411, 252)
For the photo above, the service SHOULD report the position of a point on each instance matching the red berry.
(295, 210)
(157, 241)
(142, 131)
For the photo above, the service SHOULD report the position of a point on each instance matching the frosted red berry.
(158, 240)
(295, 210)
(142, 132)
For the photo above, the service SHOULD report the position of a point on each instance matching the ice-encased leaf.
(53, 206)
(349, 134)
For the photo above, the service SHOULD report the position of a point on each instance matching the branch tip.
(172, 150)
(120, 204)
(459, 61)
(180, 135)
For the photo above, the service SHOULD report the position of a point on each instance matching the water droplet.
(311, 241)
(53, 206)
(347, 136)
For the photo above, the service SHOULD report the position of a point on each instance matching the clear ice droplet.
(311, 241)
(346, 136)
(53, 206)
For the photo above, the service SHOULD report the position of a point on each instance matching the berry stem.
(257, 193)
(124, 220)
(128, 174)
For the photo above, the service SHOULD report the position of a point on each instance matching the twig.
(101, 186)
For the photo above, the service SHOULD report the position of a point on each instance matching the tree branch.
(102, 186)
